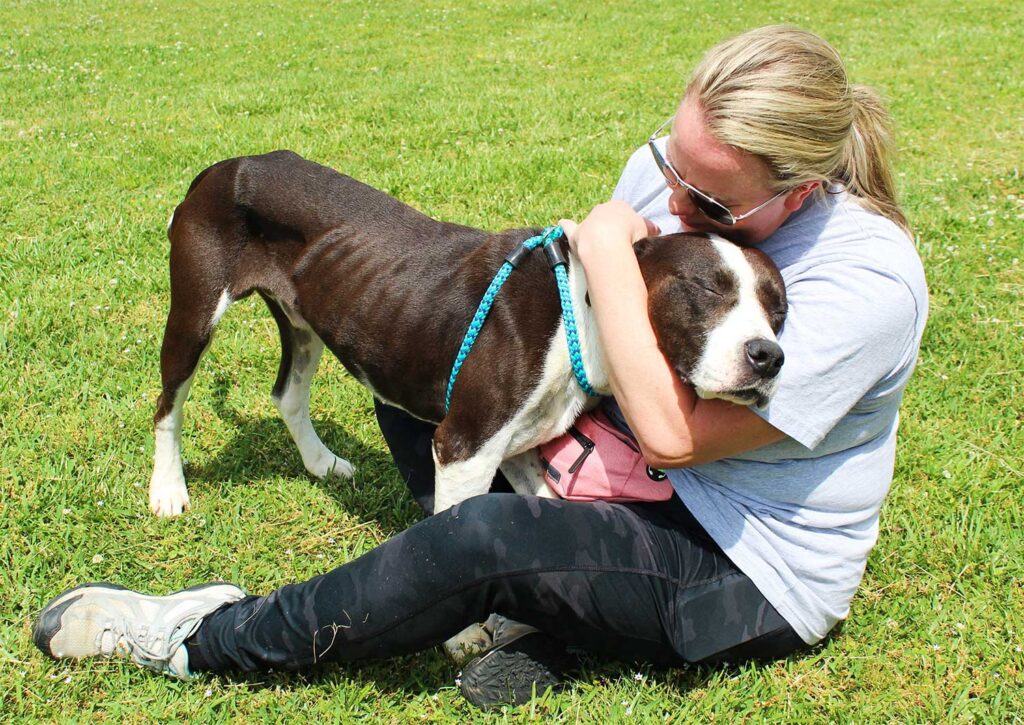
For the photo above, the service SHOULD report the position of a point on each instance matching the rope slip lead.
(560, 267)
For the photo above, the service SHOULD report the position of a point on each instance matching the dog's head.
(716, 309)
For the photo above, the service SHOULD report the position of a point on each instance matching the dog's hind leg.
(301, 349)
(187, 336)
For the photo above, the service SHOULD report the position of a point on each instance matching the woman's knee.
(508, 531)
(481, 517)
(498, 525)
(496, 511)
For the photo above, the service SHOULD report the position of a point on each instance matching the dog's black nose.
(765, 357)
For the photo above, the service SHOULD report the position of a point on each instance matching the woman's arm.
(673, 426)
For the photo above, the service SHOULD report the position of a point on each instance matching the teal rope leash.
(482, 310)
(558, 263)
(572, 336)
(560, 266)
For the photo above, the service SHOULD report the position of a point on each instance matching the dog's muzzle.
(760, 364)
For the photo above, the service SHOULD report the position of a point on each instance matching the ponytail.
(865, 169)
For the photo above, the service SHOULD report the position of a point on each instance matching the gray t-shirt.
(800, 516)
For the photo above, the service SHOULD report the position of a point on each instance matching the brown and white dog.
(391, 292)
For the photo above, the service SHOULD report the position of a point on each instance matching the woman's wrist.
(594, 246)
(609, 229)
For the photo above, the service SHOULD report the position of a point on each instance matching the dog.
(391, 292)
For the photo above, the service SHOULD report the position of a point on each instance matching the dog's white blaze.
(554, 403)
(722, 365)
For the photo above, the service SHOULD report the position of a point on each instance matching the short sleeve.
(849, 327)
(634, 177)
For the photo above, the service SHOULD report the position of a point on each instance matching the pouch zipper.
(588, 448)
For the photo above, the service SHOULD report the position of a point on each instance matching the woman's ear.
(795, 198)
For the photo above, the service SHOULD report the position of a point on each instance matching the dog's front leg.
(455, 482)
(463, 469)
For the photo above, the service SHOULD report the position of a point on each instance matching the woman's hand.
(611, 223)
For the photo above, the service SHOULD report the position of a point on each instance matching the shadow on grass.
(427, 672)
(261, 448)
(416, 675)
(692, 677)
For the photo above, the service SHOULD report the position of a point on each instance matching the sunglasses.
(714, 210)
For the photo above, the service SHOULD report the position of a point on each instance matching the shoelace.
(140, 642)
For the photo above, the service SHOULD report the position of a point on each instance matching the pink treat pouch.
(595, 461)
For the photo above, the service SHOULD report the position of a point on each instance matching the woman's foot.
(107, 620)
(515, 668)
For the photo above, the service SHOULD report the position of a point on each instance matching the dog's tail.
(200, 177)
(191, 187)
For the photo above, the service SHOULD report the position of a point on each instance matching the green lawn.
(494, 115)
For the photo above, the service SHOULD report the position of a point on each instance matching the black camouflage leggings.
(633, 581)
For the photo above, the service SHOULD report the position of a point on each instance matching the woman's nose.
(680, 203)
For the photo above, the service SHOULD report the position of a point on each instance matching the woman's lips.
(690, 224)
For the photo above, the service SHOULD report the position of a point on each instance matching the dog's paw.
(168, 499)
(328, 464)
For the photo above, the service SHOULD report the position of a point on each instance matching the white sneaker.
(107, 620)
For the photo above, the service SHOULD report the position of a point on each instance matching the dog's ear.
(642, 247)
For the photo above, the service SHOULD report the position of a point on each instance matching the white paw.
(446, 496)
(168, 500)
(168, 495)
(545, 492)
(328, 464)
(442, 502)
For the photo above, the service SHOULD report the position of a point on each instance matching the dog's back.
(348, 259)
(281, 194)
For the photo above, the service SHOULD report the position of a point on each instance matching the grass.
(497, 114)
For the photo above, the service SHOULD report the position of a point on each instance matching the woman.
(762, 548)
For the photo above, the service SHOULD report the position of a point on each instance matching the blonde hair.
(781, 93)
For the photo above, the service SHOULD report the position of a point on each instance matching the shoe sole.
(511, 672)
